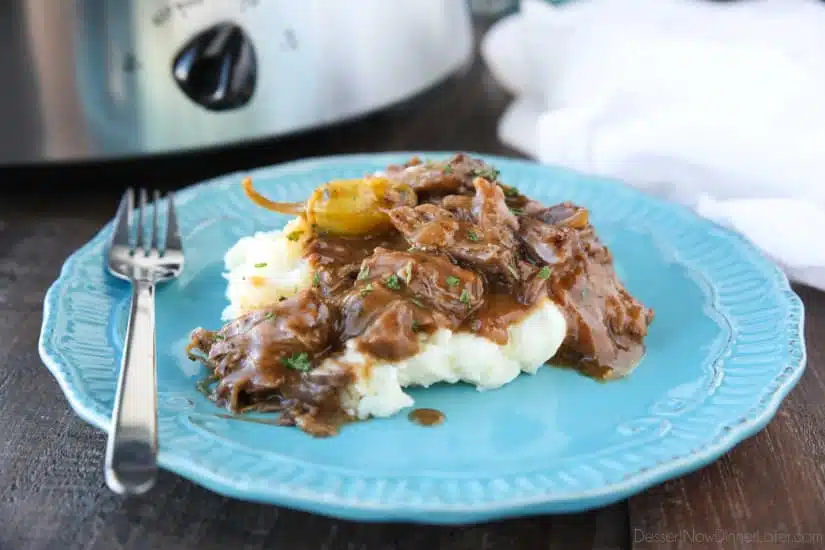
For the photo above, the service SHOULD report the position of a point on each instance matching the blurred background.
(714, 104)
(167, 93)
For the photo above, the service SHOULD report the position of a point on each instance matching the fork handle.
(132, 447)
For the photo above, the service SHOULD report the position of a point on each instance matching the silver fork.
(132, 447)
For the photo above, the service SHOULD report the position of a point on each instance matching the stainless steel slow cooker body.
(96, 79)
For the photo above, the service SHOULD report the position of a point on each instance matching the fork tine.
(123, 220)
(140, 214)
(173, 241)
(154, 242)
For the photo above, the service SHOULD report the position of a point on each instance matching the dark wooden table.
(52, 493)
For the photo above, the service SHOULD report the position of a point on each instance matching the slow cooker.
(99, 79)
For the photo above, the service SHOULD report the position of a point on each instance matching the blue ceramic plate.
(725, 348)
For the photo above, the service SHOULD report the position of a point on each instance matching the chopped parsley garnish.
(513, 271)
(298, 361)
(489, 173)
(220, 337)
(316, 279)
(268, 315)
(415, 326)
(282, 298)
(261, 264)
(465, 297)
(417, 302)
(364, 273)
(393, 282)
(295, 235)
(447, 170)
(367, 289)
(510, 191)
(406, 273)
(453, 281)
(544, 272)
(473, 236)
(517, 211)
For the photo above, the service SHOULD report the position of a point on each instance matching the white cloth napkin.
(720, 106)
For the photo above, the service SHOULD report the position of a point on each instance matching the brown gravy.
(427, 417)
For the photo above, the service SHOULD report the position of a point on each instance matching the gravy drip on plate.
(473, 255)
(427, 417)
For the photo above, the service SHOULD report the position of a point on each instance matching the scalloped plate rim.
(748, 425)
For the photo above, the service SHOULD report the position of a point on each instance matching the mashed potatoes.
(268, 266)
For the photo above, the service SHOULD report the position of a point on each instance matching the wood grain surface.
(767, 493)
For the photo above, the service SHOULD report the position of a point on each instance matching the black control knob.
(217, 68)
